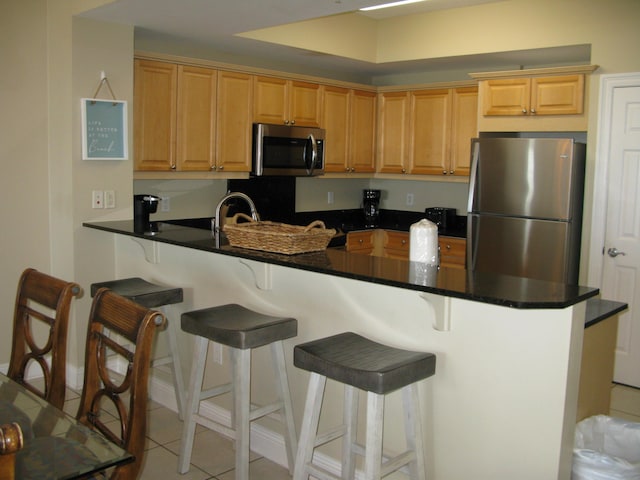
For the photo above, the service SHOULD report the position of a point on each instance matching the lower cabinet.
(395, 244)
(452, 251)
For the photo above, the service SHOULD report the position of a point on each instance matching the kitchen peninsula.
(503, 401)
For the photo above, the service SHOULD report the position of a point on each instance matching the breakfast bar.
(503, 401)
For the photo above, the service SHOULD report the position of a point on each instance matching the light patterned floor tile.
(160, 463)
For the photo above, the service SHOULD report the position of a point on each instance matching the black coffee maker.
(370, 205)
(143, 206)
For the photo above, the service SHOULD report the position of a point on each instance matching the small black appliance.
(143, 206)
(443, 217)
(371, 207)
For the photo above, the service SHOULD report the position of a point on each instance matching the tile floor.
(212, 458)
(213, 455)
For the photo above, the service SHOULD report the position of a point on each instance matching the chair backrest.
(45, 299)
(113, 314)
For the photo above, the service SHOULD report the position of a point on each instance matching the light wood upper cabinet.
(464, 127)
(155, 117)
(288, 102)
(553, 95)
(430, 131)
(196, 131)
(427, 132)
(393, 132)
(234, 120)
(348, 117)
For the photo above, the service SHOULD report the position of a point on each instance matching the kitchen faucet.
(229, 196)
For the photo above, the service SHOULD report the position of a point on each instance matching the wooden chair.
(114, 314)
(48, 300)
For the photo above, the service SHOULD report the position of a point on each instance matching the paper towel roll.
(423, 242)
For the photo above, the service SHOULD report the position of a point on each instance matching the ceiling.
(214, 25)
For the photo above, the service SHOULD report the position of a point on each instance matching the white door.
(621, 253)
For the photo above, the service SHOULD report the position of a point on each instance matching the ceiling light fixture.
(392, 4)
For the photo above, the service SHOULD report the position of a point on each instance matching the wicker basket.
(277, 237)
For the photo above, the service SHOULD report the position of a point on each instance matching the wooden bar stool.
(378, 369)
(241, 330)
(150, 295)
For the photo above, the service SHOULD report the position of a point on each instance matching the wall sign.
(104, 129)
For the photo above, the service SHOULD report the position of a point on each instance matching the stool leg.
(241, 373)
(373, 445)
(279, 366)
(193, 401)
(309, 429)
(413, 431)
(176, 368)
(350, 421)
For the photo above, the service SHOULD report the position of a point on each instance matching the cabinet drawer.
(360, 242)
(396, 244)
(452, 251)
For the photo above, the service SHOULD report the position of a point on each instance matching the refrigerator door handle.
(475, 153)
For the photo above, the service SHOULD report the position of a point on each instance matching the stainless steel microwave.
(287, 150)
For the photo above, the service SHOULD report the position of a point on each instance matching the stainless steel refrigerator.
(525, 207)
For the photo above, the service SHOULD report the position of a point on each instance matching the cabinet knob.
(221, 167)
(352, 169)
(293, 122)
(404, 242)
(533, 111)
(213, 167)
(286, 122)
(444, 172)
(360, 241)
(347, 169)
(448, 247)
(451, 172)
(524, 110)
(173, 166)
(404, 170)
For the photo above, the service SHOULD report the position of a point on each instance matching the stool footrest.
(320, 473)
(330, 435)
(214, 425)
(397, 462)
(265, 410)
(215, 391)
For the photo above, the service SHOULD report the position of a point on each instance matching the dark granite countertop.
(482, 287)
(599, 310)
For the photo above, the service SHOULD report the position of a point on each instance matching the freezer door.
(527, 177)
(521, 247)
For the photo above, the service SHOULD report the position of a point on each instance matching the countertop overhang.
(503, 290)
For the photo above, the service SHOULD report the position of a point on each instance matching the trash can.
(606, 448)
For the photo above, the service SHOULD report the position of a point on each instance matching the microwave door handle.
(314, 153)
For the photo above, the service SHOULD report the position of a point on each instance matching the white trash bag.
(606, 448)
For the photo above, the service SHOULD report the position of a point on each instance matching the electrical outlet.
(409, 199)
(165, 204)
(329, 198)
(97, 199)
(109, 199)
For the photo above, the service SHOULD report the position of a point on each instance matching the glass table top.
(56, 446)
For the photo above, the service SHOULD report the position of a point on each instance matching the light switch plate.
(109, 199)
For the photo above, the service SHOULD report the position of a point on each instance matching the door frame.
(608, 84)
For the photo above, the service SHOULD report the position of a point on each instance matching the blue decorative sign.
(104, 130)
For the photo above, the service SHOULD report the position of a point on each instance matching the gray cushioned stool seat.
(144, 293)
(237, 326)
(357, 361)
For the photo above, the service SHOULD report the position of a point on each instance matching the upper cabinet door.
(430, 131)
(196, 118)
(393, 133)
(235, 101)
(362, 138)
(335, 121)
(558, 95)
(464, 127)
(286, 102)
(270, 100)
(155, 115)
(509, 96)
